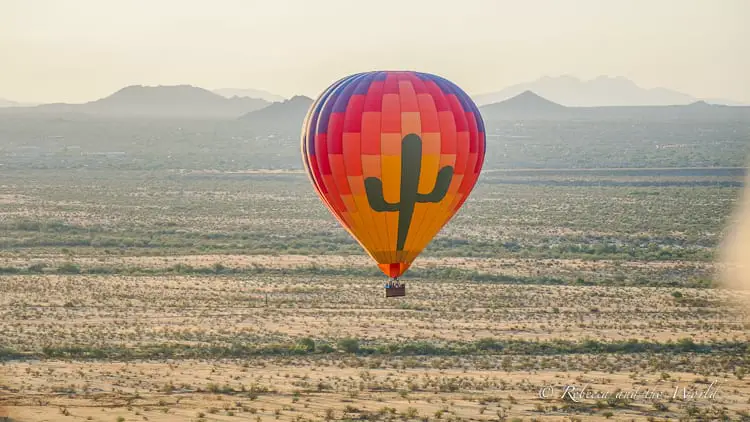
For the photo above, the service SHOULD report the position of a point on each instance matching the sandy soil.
(313, 390)
(120, 311)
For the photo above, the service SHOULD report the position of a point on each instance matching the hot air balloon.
(393, 155)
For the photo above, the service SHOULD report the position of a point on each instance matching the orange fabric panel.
(447, 160)
(371, 166)
(357, 185)
(391, 116)
(455, 183)
(410, 123)
(430, 143)
(349, 222)
(351, 206)
(390, 144)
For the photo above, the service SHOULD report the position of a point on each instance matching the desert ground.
(171, 346)
(193, 297)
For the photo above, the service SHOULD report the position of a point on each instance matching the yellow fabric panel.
(375, 224)
(416, 220)
(351, 207)
(391, 219)
(391, 177)
(423, 213)
(358, 226)
(436, 218)
(435, 215)
(428, 176)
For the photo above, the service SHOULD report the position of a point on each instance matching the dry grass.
(138, 312)
(304, 389)
(172, 296)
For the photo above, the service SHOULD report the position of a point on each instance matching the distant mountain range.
(601, 91)
(249, 93)
(287, 116)
(9, 103)
(530, 106)
(179, 101)
(185, 101)
(525, 104)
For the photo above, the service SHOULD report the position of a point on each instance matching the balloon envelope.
(393, 155)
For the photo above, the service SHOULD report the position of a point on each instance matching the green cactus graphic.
(411, 167)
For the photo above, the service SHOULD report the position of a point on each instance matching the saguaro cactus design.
(411, 167)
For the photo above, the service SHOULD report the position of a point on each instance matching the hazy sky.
(79, 50)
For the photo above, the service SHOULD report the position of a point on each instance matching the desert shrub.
(349, 345)
(307, 344)
(69, 268)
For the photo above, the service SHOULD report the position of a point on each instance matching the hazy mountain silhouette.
(9, 103)
(601, 91)
(525, 104)
(530, 106)
(286, 116)
(250, 93)
(162, 101)
(185, 101)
